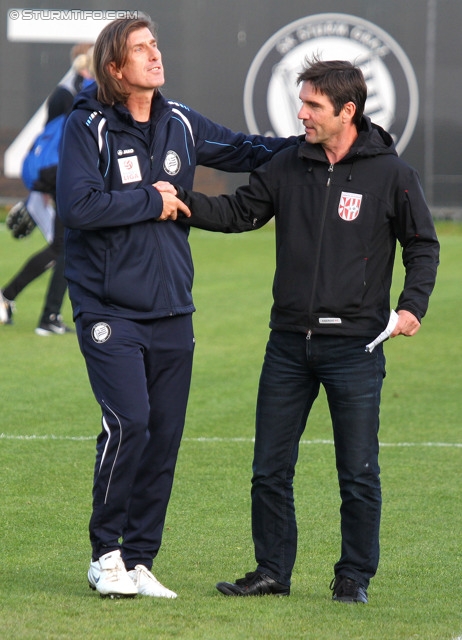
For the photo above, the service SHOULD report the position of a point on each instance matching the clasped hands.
(172, 205)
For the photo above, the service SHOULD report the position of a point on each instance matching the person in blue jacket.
(130, 280)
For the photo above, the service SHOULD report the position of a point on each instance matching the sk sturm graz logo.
(101, 332)
(172, 163)
(271, 100)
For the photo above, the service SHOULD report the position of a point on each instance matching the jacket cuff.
(180, 192)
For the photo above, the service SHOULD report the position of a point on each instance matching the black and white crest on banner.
(101, 332)
(271, 100)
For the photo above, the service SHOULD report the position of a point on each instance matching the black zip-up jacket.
(336, 232)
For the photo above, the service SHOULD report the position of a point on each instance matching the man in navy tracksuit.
(341, 202)
(130, 276)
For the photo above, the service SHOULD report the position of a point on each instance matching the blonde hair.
(81, 63)
(79, 48)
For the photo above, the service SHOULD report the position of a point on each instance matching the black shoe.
(347, 590)
(53, 325)
(255, 583)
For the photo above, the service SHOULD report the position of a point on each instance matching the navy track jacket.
(119, 260)
(337, 227)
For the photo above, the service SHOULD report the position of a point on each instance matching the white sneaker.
(147, 585)
(6, 309)
(108, 576)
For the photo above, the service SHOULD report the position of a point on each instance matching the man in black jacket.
(340, 200)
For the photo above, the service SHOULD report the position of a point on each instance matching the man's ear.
(114, 71)
(348, 112)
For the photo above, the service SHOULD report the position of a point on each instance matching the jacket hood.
(86, 99)
(372, 140)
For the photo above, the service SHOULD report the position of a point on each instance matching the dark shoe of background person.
(255, 583)
(347, 590)
(53, 325)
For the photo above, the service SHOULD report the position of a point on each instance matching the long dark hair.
(111, 46)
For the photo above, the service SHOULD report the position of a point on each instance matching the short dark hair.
(340, 80)
(111, 46)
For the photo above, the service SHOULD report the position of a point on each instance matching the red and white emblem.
(129, 169)
(349, 206)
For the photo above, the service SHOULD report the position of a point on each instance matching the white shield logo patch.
(349, 206)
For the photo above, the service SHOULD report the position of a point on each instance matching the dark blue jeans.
(293, 370)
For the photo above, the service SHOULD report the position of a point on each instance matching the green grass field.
(49, 421)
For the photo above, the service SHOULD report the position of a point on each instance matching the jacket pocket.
(345, 290)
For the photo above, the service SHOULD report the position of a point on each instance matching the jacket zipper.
(159, 247)
(330, 171)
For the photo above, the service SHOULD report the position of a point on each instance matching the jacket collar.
(118, 114)
(372, 140)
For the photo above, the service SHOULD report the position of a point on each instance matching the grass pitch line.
(456, 445)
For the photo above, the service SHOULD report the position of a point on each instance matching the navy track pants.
(140, 373)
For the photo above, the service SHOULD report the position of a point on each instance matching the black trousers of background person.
(51, 256)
